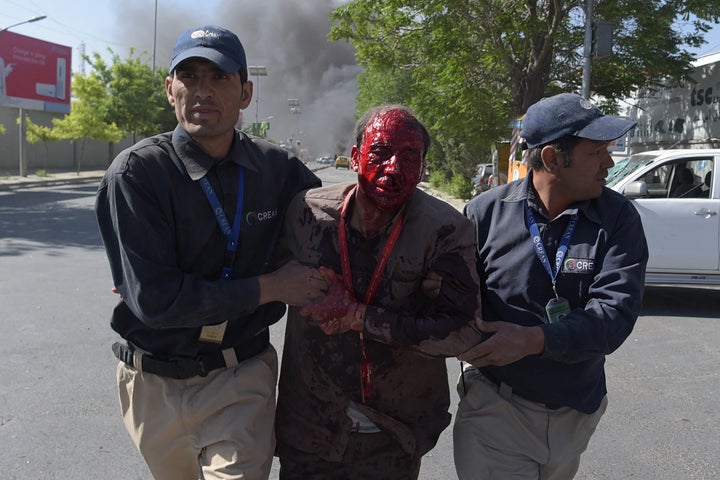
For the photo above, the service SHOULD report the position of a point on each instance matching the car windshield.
(626, 166)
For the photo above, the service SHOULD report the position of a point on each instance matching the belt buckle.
(188, 368)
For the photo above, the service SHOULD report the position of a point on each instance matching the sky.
(288, 37)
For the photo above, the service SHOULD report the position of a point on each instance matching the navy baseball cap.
(570, 114)
(217, 44)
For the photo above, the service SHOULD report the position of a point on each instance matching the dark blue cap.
(217, 44)
(570, 114)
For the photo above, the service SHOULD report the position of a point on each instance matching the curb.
(50, 181)
(14, 182)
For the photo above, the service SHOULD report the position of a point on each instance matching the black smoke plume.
(289, 38)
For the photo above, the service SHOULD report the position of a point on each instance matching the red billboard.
(34, 74)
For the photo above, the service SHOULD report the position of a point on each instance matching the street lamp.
(587, 49)
(21, 115)
(295, 110)
(34, 19)
(258, 71)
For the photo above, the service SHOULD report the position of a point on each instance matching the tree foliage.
(40, 133)
(469, 67)
(137, 103)
(88, 114)
(116, 100)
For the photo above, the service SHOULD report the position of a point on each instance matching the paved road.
(58, 410)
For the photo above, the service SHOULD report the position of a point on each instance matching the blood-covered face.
(390, 161)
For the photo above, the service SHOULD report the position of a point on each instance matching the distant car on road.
(324, 160)
(677, 193)
(342, 161)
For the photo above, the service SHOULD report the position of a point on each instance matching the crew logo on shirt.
(256, 218)
(579, 265)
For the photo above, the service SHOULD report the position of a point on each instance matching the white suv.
(677, 194)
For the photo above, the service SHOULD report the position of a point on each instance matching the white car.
(677, 193)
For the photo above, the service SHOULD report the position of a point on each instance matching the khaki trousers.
(497, 436)
(216, 427)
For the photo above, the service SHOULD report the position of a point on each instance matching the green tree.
(137, 103)
(416, 53)
(476, 65)
(88, 114)
(40, 133)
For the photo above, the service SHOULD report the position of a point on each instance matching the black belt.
(184, 367)
(549, 405)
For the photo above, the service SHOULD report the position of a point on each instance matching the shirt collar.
(198, 163)
(523, 190)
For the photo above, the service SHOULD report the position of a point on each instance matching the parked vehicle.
(342, 161)
(481, 180)
(677, 193)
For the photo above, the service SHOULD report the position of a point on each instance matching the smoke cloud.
(289, 38)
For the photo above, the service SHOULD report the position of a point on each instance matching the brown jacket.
(407, 336)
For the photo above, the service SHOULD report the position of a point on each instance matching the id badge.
(213, 333)
(556, 309)
(367, 380)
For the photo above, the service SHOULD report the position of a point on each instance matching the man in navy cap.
(190, 220)
(561, 260)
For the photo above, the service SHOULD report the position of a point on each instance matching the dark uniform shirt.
(166, 250)
(407, 336)
(602, 277)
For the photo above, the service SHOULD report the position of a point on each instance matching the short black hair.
(561, 145)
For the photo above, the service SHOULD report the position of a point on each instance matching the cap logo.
(203, 33)
(586, 104)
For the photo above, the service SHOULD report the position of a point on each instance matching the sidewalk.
(458, 203)
(10, 181)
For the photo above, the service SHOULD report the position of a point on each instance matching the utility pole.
(258, 71)
(587, 50)
(154, 38)
(81, 49)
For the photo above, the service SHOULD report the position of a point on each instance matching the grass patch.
(458, 186)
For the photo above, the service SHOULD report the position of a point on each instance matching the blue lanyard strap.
(232, 234)
(540, 248)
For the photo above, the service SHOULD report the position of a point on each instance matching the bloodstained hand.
(336, 312)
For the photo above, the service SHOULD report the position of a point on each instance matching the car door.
(681, 221)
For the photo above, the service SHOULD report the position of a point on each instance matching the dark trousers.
(368, 456)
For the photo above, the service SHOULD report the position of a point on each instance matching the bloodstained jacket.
(407, 335)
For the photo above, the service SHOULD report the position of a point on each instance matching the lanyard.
(379, 268)
(232, 234)
(384, 256)
(540, 248)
